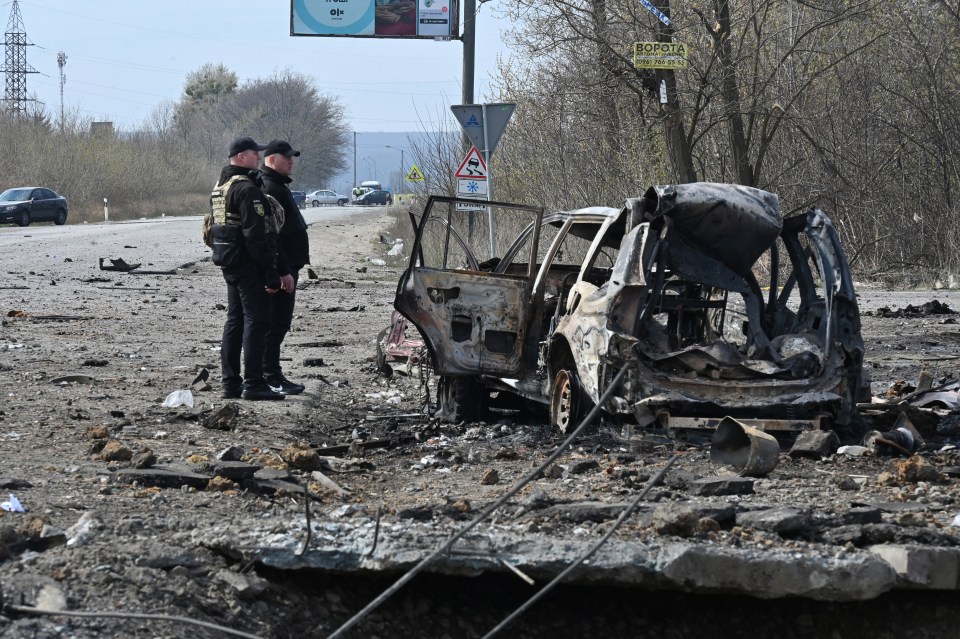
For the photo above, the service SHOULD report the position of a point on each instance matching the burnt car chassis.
(667, 287)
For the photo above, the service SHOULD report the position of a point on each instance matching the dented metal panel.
(474, 322)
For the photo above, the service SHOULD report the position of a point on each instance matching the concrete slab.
(682, 565)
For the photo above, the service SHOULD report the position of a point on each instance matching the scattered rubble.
(201, 511)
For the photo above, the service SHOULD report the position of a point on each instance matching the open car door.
(474, 321)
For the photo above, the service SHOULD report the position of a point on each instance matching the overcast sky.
(124, 57)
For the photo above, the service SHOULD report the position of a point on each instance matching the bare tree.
(289, 106)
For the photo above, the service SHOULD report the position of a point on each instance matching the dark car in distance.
(300, 198)
(23, 205)
(376, 197)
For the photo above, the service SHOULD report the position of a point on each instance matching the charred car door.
(474, 321)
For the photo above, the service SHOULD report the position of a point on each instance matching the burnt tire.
(568, 403)
(23, 219)
(462, 399)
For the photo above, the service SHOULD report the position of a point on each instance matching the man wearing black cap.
(245, 247)
(294, 254)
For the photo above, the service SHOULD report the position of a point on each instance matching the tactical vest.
(219, 214)
(218, 202)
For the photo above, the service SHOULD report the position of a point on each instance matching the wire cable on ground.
(28, 610)
(584, 557)
(410, 574)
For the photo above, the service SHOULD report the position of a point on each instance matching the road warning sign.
(469, 187)
(473, 166)
(415, 175)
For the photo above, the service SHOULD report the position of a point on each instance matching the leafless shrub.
(170, 163)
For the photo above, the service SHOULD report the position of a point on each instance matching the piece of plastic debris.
(202, 376)
(86, 528)
(376, 261)
(12, 505)
(396, 250)
(73, 379)
(956, 520)
(183, 397)
(904, 438)
(852, 451)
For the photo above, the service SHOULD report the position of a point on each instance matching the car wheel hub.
(564, 402)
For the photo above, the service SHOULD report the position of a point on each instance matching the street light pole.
(401, 164)
(370, 161)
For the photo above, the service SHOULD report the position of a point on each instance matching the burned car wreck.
(716, 305)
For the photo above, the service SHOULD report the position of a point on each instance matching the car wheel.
(342, 202)
(23, 219)
(61, 218)
(315, 203)
(568, 403)
(462, 399)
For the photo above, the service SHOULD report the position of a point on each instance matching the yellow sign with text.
(660, 55)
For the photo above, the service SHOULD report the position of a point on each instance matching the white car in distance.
(322, 197)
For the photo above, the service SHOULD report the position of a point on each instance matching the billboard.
(431, 19)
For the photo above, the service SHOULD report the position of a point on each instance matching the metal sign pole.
(486, 158)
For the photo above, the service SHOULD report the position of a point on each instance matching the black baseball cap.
(244, 144)
(282, 147)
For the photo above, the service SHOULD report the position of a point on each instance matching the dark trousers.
(248, 318)
(280, 320)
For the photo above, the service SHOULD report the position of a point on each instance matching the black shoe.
(283, 385)
(262, 393)
(231, 393)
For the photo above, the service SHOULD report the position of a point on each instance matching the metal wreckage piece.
(671, 289)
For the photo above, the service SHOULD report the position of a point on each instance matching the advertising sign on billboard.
(660, 55)
(434, 19)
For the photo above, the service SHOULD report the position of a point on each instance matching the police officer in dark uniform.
(294, 254)
(244, 233)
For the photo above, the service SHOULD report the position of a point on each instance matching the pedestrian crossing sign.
(415, 175)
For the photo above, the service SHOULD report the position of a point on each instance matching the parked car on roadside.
(325, 197)
(24, 205)
(375, 197)
(299, 197)
(692, 303)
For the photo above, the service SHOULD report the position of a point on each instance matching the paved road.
(166, 243)
(162, 243)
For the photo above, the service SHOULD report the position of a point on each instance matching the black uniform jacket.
(294, 243)
(260, 246)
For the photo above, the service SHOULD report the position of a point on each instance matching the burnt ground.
(101, 534)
